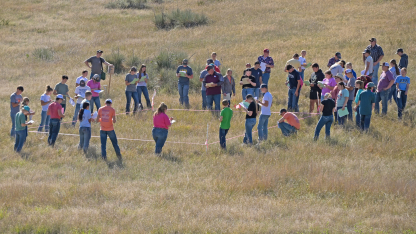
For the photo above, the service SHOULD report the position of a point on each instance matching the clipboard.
(245, 81)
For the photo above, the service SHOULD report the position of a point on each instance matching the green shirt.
(62, 89)
(19, 120)
(226, 114)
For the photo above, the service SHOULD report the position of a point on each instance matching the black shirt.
(329, 105)
(252, 107)
(315, 77)
(252, 78)
(294, 78)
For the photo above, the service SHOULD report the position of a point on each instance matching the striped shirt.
(376, 52)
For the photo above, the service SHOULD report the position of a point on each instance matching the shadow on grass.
(115, 164)
(170, 157)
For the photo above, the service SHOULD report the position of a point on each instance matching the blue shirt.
(257, 73)
(402, 81)
(367, 98)
(85, 117)
(188, 70)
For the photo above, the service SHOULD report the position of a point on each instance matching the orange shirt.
(107, 114)
(292, 119)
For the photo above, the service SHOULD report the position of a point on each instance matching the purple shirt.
(332, 61)
(268, 61)
(385, 79)
(330, 82)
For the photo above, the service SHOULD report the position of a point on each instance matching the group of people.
(333, 92)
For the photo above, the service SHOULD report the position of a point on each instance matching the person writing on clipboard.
(248, 83)
(266, 64)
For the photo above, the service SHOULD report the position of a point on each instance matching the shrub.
(117, 60)
(178, 18)
(133, 60)
(169, 60)
(45, 54)
(127, 4)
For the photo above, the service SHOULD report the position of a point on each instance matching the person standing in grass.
(266, 104)
(366, 103)
(335, 91)
(107, 118)
(248, 88)
(80, 92)
(394, 69)
(402, 83)
(228, 87)
(359, 85)
(203, 88)
(142, 86)
(334, 59)
(82, 77)
(303, 64)
(292, 125)
(351, 89)
(329, 84)
(85, 119)
(225, 119)
(404, 59)
(55, 113)
(293, 80)
(95, 85)
(21, 128)
(131, 90)
(97, 64)
(383, 89)
(15, 101)
(184, 73)
(161, 124)
(213, 82)
(327, 118)
(88, 97)
(62, 88)
(269, 63)
(377, 54)
(216, 62)
(342, 101)
(369, 63)
(337, 68)
(315, 93)
(45, 100)
(256, 72)
(251, 114)
(348, 65)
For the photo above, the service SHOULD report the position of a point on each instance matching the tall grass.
(179, 18)
(127, 4)
(117, 59)
(45, 54)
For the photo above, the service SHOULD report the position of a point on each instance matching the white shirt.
(81, 78)
(45, 98)
(370, 68)
(266, 110)
(81, 91)
(302, 60)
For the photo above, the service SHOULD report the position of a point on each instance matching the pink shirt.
(161, 121)
(330, 82)
(53, 110)
(94, 85)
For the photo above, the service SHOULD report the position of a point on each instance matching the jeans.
(13, 130)
(393, 93)
(401, 103)
(143, 89)
(44, 122)
(287, 129)
(214, 98)
(183, 94)
(20, 139)
(302, 74)
(257, 92)
(84, 138)
(358, 118)
(204, 99)
(297, 99)
(324, 121)
(129, 95)
(74, 119)
(223, 133)
(292, 100)
(382, 96)
(365, 122)
(245, 92)
(159, 135)
(96, 101)
(262, 127)
(349, 108)
(341, 120)
(248, 137)
(265, 78)
(375, 74)
(103, 137)
(54, 126)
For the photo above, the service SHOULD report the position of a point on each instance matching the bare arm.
(281, 120)
(55, 92)
(114, 119)
(88, 65)
(60, 114)
(221, 118)
(379, 59)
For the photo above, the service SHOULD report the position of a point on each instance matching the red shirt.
(53, 110)
(292, 119)
(334, 93)
(161, 121)
(217, 69)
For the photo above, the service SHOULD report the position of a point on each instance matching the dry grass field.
(364, 183)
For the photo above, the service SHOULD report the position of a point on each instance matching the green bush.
(117, 60)
(133, 60)
(45, 54)
(169, 60)
(127, 4)
(178, 18)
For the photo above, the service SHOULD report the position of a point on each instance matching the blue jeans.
(401, 103)
(54, 127)
(302, 74)
(44, 122)
(324, 121)
(382, 96)
(143, 89)
(365, 122)
(292, 100)
(393, 93)
(214, 98)
(265, 78)
(103, 137)
(13, 130)
(341, 120)
(248, 137)
(159, 135)
(358, 118)
(262, 127)
(74, 119)
(223, 133)
(375, 74)
(245, 92)
(204, 99)
(257, 92)
(20, 139)
(129, 95)
(287, 129)
(349, 108)
(84, 138)
(96, 101)
(183, 94)
(297, 99)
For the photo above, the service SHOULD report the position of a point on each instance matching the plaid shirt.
(332, 61)
(376, 52)
(268, 61)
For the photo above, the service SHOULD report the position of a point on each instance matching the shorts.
(314, 94)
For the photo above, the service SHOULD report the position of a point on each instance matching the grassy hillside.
(353, 183)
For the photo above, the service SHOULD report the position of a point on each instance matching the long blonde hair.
(161, 109)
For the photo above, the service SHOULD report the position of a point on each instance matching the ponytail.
(81, 112)
(395, 66)
(161, 109)
(48, 88)
(25, 101)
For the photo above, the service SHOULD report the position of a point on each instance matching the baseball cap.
(338, 54)
(373, 39)
(266, 50)
(371, 85)
(60, 96)
(185, 62)
(386, 64)
(263, 86)
(248, 65)
(399, 50)
(348, 71)
(82, 83)
(26, 108)
(108, 101)
(96, 77)
(99, 51)
(366, 51)
(339, 75)
(210, 61)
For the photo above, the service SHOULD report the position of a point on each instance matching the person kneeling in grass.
(292, 124)
(21, 128)
(366, 103)
(327, 118)
(402, 83)
(161, 124)
(85, 119)
(225, 119)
